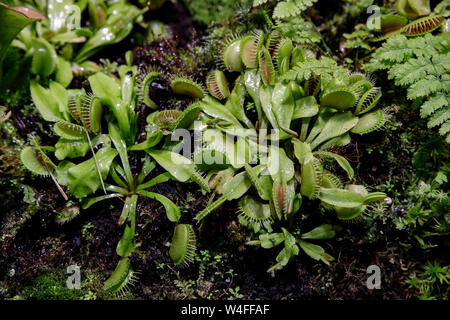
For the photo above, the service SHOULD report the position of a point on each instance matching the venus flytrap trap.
(414, 18)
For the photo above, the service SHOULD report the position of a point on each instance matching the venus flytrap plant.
(36, 160)
(131, 187)
(78, 120)
(60, 45)
(309, 106)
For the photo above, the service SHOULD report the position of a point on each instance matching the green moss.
(50, 285)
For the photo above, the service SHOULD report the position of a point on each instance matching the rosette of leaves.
(309, 107)
(106, 120)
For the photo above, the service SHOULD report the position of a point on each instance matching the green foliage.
(50, 286)
(14, 19)
(78, 119)
(432, 282)
(278, 178)
(183, 245)
(428, 217)
(415, 19)
(58, 47)
(298, 30)
(358, 39)
(287, 8)
(311, 105)
(211, 11)
(422, 66)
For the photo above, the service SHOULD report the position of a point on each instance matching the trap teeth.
(218, 85)
(187, 87)
(183, 246)
(231, 55)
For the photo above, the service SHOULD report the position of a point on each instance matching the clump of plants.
(66, 35)
(269, 131)
(302, 108)
(431, 283)
(96, 127)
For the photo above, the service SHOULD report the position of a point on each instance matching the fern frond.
(425, 87)
(326, 68)
(287, 8)
(435, 102)
(439, 117)
(421, 65)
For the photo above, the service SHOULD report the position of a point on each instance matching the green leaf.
(283, 104)
(265, 96)
(163, 177)
(61, 97)
(280, 167)
(61, 172)
(312, 250)
(13, 20)
(45, 102)
(325, 114)
(108, 90)
(125, 246)
(118, 25)
(178, 166)
(237, 186)
(83, 179)
(305, 107)
(68, 130)
(301, 150)
(64, 72)
(152, 140)
(215, 109)
(374, 197)
(237, 154)
(104, 87)
(341, 198)
(45, 58)
(71, 148)
(88, 202)
(252, 81)
(336, 126)
(147, 167)
(35, 160)
(235, 103)
(340, 160)
(121, 148)
(324, 231)
(172, 210)
(270, 240)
